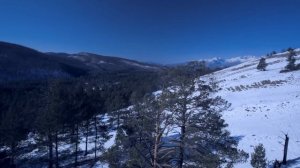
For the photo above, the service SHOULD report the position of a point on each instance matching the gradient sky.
(161, 31)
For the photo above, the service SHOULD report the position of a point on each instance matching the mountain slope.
(265, 105)
(107, 63)
(22, 63)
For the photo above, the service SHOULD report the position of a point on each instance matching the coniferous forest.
(69, 120)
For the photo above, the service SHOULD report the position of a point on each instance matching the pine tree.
(77, 109)
(49, 121)
(202, 130)
(153, 123)
(262, 64)
(140, 134)
(11, 128)
(258, 158)
(273, 53)
(290, 49)
(291, 60)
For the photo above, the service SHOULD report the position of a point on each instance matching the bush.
(258, 158)
(262, 64)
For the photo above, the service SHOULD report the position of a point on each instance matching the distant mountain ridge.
(22, 63)
(218, 62)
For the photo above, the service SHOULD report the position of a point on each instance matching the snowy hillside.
(265, 105)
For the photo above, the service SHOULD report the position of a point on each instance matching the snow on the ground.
(265, 106)
(111, 141)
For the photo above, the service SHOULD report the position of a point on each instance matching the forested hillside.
(127, 114)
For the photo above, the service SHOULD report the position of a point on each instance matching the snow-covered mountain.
(265, 106)
(218, 62)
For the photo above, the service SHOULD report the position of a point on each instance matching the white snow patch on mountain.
(217, 62)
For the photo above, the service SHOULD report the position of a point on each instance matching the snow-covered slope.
(265, 106)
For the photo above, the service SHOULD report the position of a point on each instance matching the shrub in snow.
(262, 64)
(258, 158)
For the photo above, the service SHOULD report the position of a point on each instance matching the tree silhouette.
(262, 64)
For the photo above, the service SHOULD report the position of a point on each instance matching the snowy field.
(265, 106)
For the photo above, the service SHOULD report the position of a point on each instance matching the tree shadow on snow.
(238, 138)
(293, 162)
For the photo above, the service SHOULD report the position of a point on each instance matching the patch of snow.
(111, 141)
(138, 65)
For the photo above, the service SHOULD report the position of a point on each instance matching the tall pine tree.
(49, 119)
(202, 137)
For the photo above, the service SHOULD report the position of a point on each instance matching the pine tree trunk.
(50, 147)
(118, 121)
(86, 138)
(76, 145)
(182, 135)
(181, 150)
(73, 129)
(96, 132)
(56, 150)
(155, 152)
(156, 143)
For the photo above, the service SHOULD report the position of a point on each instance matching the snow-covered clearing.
(265, 106)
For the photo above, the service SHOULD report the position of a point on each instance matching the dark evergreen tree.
(291, 61)
(290, 49)
(49, 119)
(153, 123)
(92, 113)
(18, 105)
(11, 129)
(258, 158)
(76, 109)
(202, 130)
(88, 110)
(273, 53)
(262, 64)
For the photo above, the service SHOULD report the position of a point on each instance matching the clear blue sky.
(162, 31)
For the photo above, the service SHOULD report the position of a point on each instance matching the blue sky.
(161, 31)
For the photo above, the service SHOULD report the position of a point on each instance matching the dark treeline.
(50, 109)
